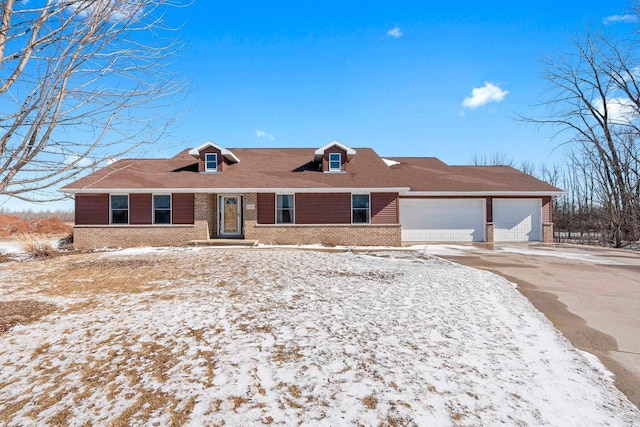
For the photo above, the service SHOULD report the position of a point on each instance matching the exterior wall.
(334, 149)
(328, 208)
(140, 209)
(489, 232)
(182, 208)
(547, 209)
(326, 234)
(330, 235)
(547, 220)
(91, 209)
(384, 208)
(212, 217)
(222, 162)
(489, 205)
(266, 208)
(98, 236)
(547, 232)
(125, 236)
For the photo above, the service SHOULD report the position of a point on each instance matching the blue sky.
(389, 75)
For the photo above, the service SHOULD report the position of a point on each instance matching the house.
(333, 195)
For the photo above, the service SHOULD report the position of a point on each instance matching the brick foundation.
(489, 233)
(547, 232)
(126, 236)
(329, 235)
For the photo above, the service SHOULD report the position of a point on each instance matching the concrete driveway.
(592, 295)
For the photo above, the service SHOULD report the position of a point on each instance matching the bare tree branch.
(81, 81)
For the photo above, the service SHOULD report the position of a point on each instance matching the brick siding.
(547, 232)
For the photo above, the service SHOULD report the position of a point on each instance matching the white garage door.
(442, 220)
(517, 220)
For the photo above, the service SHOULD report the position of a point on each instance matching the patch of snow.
(444, 249)
(10, 247)
(557, 253)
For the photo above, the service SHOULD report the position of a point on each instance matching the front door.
(230, 208)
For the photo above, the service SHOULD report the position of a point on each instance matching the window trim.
(153, 209)
(128, 209)
(368, 208)
(207, 169)
(339, 168)
(293, 209)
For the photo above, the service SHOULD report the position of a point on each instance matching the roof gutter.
(481, 193)
(236, 190)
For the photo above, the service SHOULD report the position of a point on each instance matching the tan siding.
(334, 149)
(182, 208)
(384, 208)
(266, 207)
(92, 209)
(547, 208)
(140, 208)
(313, 208)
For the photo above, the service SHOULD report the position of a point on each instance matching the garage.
(517, 220)
(442, 220)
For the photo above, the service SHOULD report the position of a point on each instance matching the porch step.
(222, 242)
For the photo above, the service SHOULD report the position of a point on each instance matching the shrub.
(36, 244)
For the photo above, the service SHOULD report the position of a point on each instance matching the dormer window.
(335, 162)
(213, 158)
(211, 162)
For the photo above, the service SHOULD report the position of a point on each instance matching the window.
(335, 162)
(161, 209)
(360, 208)
(284, 209)
(119, 209)
(211, 162)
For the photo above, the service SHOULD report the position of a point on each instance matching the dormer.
(213, 158)
(334, 157)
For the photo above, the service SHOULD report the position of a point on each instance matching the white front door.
(230, 214)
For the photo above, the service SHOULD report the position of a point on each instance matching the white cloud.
(619, 110)
(262, 134)
(483, 95)
(395, 32)
(80, 161)
(628, 18)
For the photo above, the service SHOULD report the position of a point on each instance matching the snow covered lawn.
(250, 337)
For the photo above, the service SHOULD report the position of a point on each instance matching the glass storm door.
(230, 215)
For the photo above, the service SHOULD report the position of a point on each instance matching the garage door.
(442, 220)
(517, 220)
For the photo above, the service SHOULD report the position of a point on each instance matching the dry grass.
(37, 245)
(22, 312)
(370, 402)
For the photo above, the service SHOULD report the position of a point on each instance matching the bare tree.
(594, 105)
(81, 82)
(495, 159)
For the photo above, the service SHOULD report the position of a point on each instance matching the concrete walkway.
(592, 295)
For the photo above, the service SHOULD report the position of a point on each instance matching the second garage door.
(517, 220)
(442, 220)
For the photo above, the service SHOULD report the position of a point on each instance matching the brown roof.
(431, 175)
(258, 168)
(293, 168)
